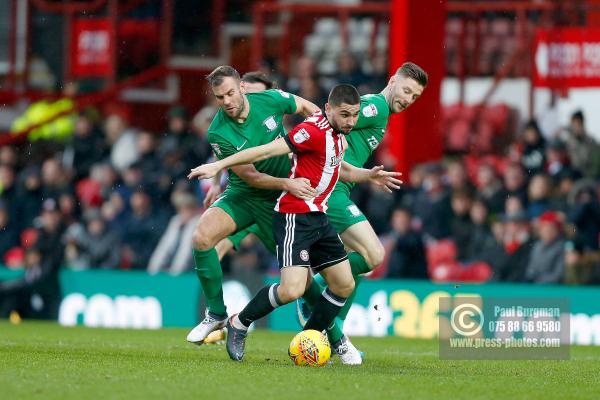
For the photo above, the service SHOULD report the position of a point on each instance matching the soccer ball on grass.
(310, 348)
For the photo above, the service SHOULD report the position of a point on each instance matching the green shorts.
(246, 212)
(239, 236)
(342, 211)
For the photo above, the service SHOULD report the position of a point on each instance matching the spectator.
(407, 259)
(92, 245)
(456, 175)
(9, 236)
(54, 179)
(432, 207)
(583, 150)
(539, 192)
(461, 225)
(142, 231)
(534, 157)
(489, 188)
(174, 251)
(515, 182)
(517, 242)
(8, 191)
(547, 261)
(585, 214)
(181, 148)
(88, 146)
(30, 197)
(122, 141)
(482, 245)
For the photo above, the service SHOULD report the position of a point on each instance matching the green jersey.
(263, 125)
(367, 133)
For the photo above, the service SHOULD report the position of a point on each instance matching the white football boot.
(349, 355)
(203, 329)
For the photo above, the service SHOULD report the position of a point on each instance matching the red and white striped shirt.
(318, 153)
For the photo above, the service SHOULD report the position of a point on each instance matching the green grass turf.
(39, 360)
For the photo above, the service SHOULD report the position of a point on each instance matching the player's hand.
(385, 179)
(204, 171)
(301, 188)
(212, 195)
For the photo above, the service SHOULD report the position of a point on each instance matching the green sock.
(313, 293)
(358, 264)
(208, 269)
(335, 332)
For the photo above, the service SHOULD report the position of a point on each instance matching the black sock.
(265, 301)
(324, 312)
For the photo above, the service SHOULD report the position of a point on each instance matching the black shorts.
(307, 240)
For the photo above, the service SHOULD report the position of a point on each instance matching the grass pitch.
(39, 360)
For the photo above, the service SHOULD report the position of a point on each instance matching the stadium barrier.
(405, 308)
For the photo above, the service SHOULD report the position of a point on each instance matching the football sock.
(325, 311)
(208, 269)
(265, 301)
(358, 264)
(336, 331)
(313, 292)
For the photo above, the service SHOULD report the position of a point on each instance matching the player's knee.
(289, 293)
(376, 255)
(202, 241)
(343, 288)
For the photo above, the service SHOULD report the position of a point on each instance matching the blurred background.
(104, 109)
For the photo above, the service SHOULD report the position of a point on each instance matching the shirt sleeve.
(285, 101)
(303, 137)
(220, 147)
(374, 113)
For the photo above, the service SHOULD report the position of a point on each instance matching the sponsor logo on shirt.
(270, 123)
(373, 142)
(284, 94)
(301, 136)
(238, 148)
(369, 111)
(336, 160)
(216, 149)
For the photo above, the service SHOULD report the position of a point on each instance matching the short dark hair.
(343, 93)
(215, 78)
(413, 71)
(578, 115)
(259, 77)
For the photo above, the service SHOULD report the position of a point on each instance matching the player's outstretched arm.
(299, 187)
(275, 148)
(305, 107)
(386, 179)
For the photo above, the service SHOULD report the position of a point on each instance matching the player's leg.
(233, 242)
(340, 285)
(219, 221)
(292, 241)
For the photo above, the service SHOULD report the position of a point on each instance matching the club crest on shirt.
(301, 136)
(369, 111)
(270, 123)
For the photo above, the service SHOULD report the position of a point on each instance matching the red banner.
(566, 58)
(91, 50)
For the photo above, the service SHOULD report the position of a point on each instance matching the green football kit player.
(242, 121)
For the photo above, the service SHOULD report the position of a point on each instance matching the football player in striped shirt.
(304, 236)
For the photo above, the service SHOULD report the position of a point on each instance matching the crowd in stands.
(117, 197)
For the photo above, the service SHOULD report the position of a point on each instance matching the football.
(310, 348)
